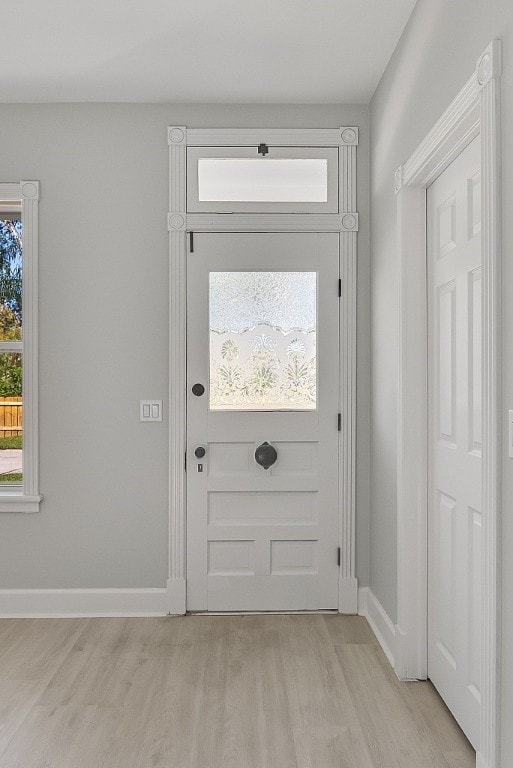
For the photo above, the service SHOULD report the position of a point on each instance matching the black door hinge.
(185, 461)
(338, 556)
(191, 242)
(339, 287)
(339, 422)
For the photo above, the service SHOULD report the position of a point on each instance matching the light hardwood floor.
(304, 691)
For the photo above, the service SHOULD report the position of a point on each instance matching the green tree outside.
(11, 245)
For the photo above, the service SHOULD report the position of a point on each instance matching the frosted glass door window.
(286, 180)
(263, 179)
(263, 340)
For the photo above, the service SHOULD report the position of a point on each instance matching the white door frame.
(474, 111)
(180, 223)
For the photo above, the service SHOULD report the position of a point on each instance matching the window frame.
(274, 152)
(25, 497)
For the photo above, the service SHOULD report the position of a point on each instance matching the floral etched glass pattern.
(263, 340)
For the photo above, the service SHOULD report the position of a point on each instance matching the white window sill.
(17, 502)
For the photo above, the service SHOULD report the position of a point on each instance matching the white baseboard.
(348, 596)
(55, 603)
(380, 623)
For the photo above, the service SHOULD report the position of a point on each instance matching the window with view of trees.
(11, 345)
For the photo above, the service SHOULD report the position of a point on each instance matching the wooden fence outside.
(11, 416)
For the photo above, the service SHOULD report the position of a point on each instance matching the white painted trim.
(281, 137)
(11, 346)
(346, 222)
(379, 621)
(177, 372)
(28, 499)
(481, 762)
(474, 111)
(10, 501)
(348, 586)
(53, 603)
(11, 191)
(488, 74)
(270, 222)
(347, 443)
(455, 129)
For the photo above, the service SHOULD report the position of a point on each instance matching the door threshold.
(261, 613)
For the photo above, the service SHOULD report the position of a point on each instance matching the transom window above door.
(262, 179)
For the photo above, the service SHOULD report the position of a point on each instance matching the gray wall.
(433, 60)
(104, 333)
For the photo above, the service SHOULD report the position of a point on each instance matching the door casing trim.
(474, 112)
(179, 223)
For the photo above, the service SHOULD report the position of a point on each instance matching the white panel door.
(455, 487)
(263, 341)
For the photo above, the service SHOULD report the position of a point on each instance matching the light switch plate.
(150, 410)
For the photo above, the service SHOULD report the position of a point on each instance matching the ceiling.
(197, 51)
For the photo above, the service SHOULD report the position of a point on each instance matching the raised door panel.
(446, 362)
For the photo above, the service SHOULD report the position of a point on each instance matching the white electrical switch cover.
(510, 434)
(150, 410)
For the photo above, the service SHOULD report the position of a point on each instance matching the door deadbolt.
(198, 390)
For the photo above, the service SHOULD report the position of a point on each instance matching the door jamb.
(475, 111)
(179, 224)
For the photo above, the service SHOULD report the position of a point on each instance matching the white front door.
(263, 389)
(455, 487)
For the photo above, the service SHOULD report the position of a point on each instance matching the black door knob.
(198, 389)
(266, 455)
(199, 452)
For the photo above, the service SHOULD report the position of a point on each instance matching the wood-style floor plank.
(397, 734)
(260, 691)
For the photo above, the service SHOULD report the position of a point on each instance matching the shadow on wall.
(399, 102)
